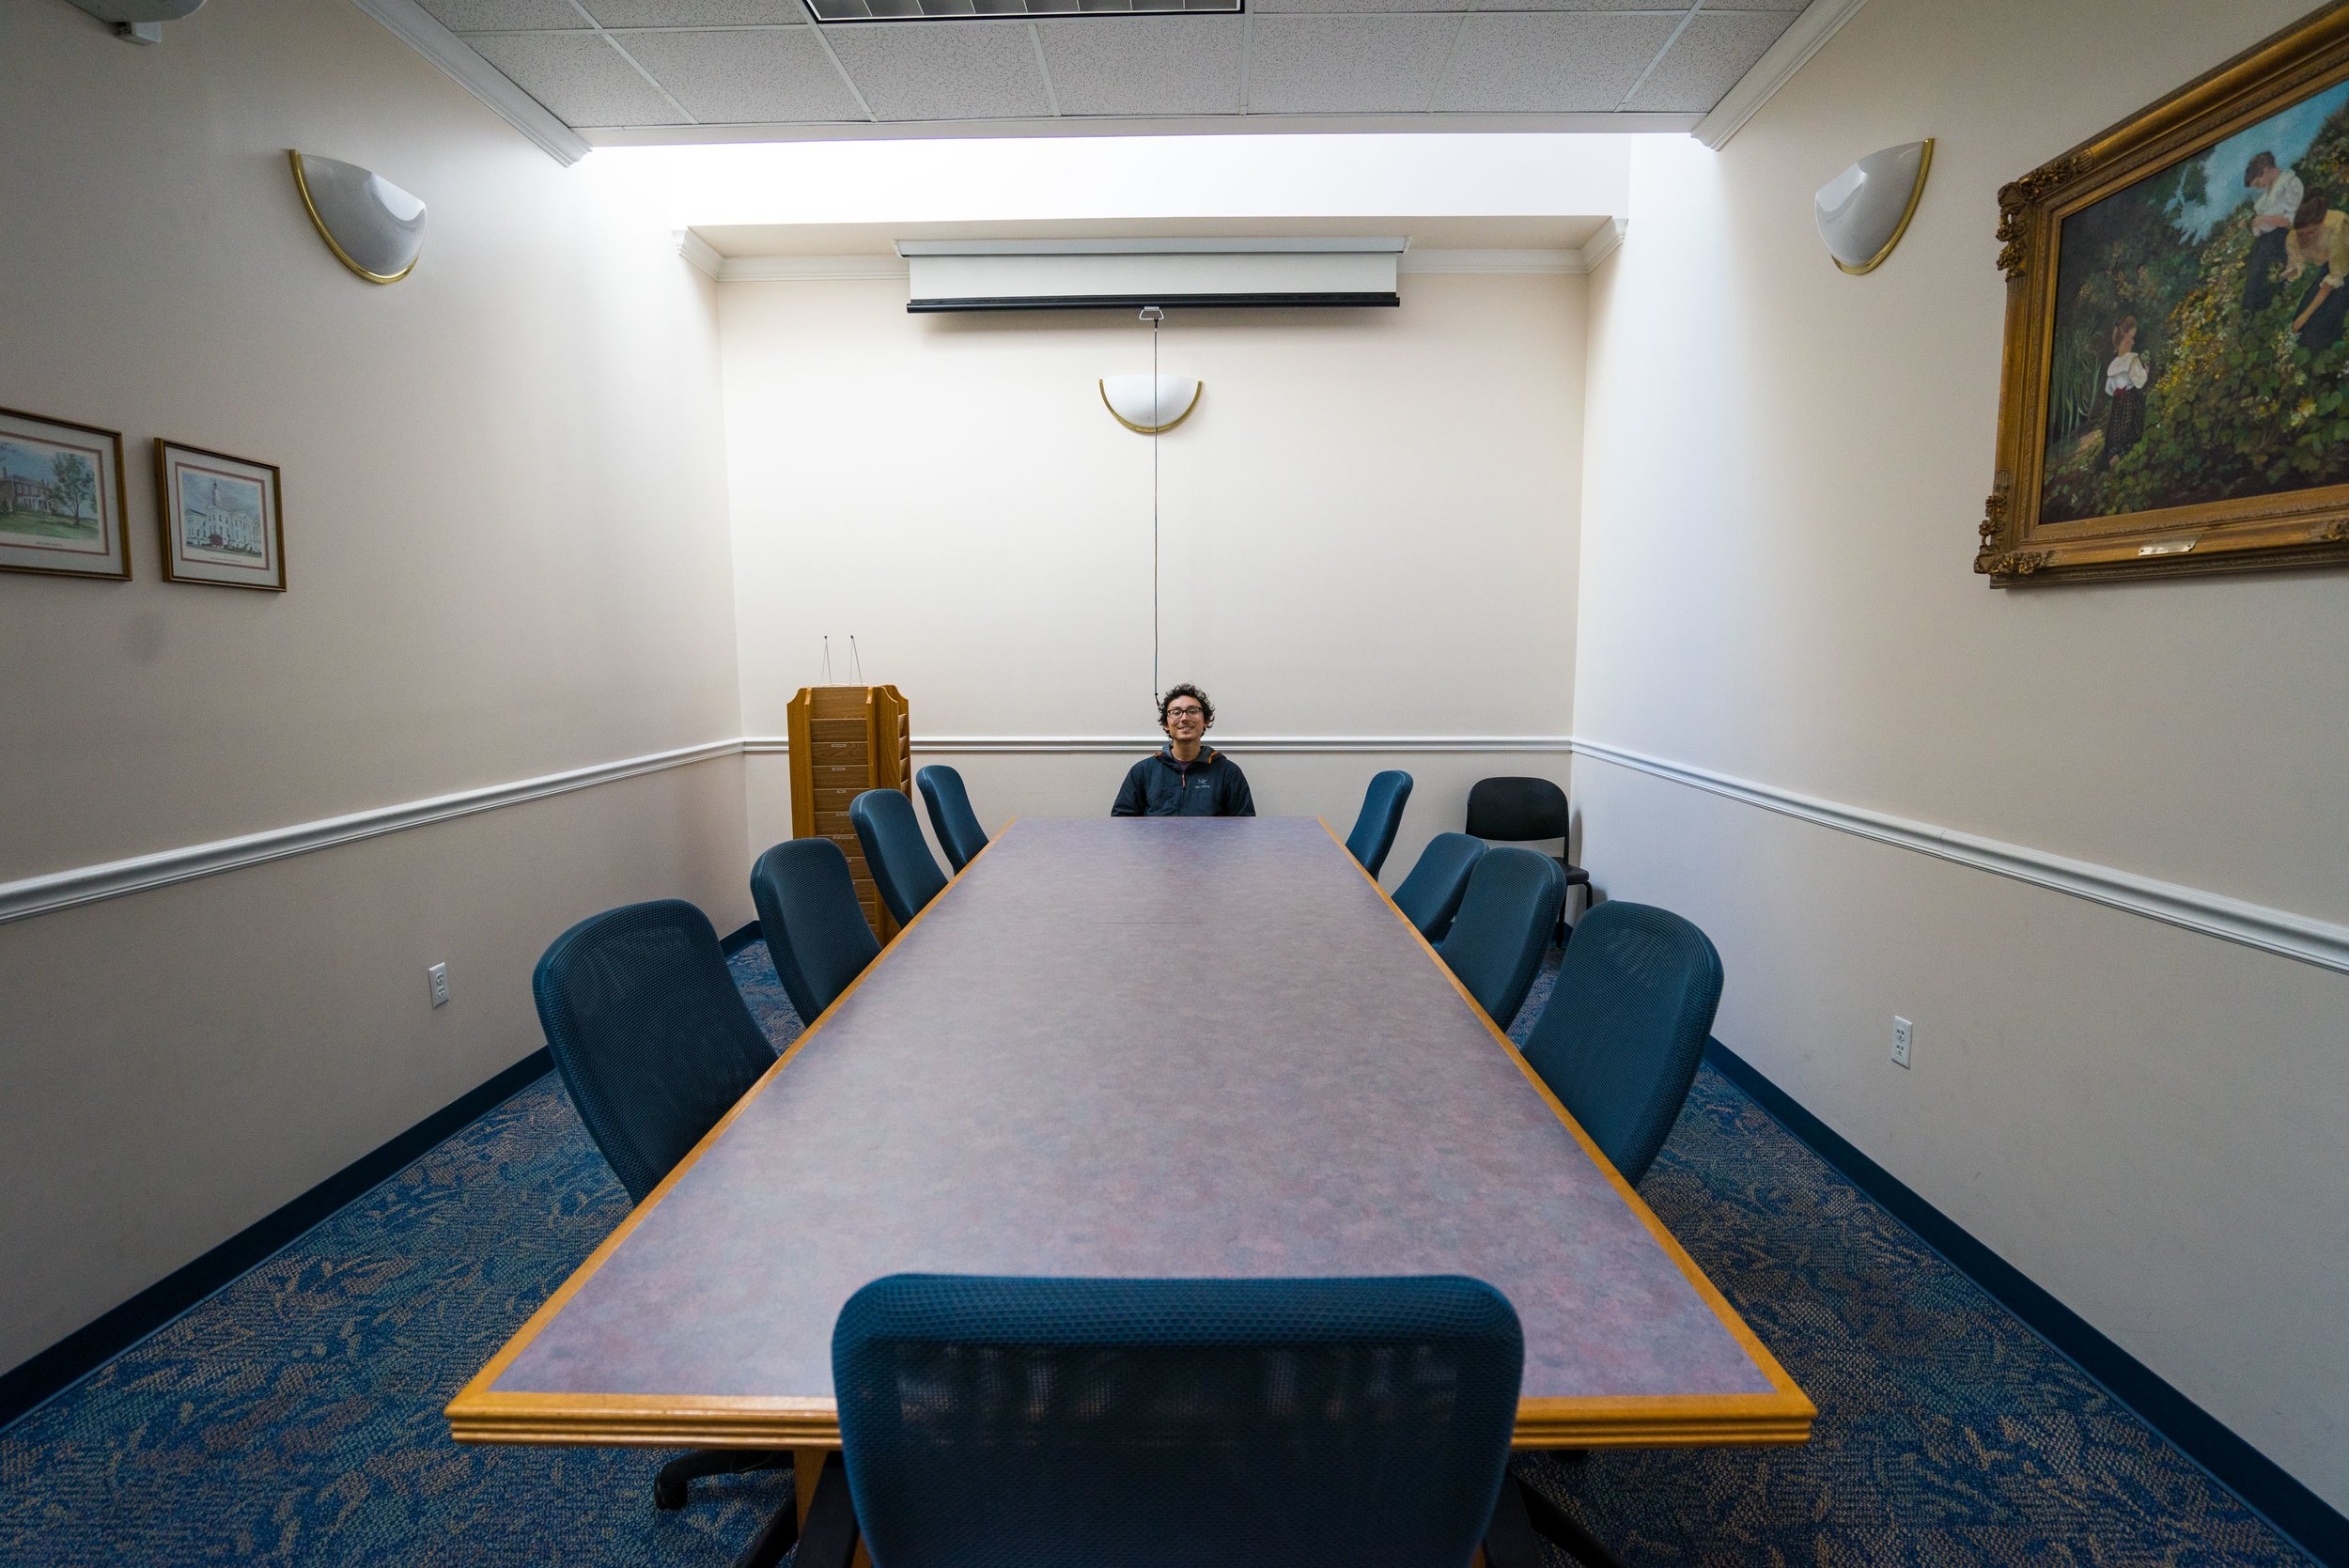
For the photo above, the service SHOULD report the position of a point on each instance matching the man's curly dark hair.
(1206, 708)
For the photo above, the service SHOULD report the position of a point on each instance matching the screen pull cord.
(1153, 314)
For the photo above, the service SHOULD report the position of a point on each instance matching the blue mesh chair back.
(1496, 941)
(1381, 814)
(814, 928)
(1430, 896)
(1515, 809)
(951, 816)
(1626, 1026)
(903, 867)
(651, 1037)
(1175, 1424)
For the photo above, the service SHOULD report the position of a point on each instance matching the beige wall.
(508, 547)
(1786, 469)
(1368, 530)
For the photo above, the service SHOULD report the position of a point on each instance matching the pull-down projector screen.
(1099, 274)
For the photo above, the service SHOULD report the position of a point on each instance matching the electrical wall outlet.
(1904, 1037)
(438, 974)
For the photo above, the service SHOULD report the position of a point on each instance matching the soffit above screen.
(624, 72)
(817, 252)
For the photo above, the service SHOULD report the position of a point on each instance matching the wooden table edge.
(659, 1421)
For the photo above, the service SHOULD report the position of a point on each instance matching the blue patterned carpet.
(294, 1417)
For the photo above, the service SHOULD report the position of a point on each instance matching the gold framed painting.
(61, 498)
(2175, 395)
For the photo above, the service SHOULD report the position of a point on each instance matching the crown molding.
(1459, 262)
(2271, 930)
(417, 28)
(1775, 69)
(1599, 246)
(807, 269)
(699, 253)
(833, 269)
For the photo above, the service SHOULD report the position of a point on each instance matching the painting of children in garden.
(2198, 349)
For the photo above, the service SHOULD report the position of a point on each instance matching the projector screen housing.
(1126, 274)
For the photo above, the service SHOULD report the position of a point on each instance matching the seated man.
(1186, 778)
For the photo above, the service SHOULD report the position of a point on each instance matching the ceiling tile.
(1339, 65)
(1550, 62)
(697, 13)
(1275, 7)
(1144, 65)
(919, 71)
(746, 76)
(1708, 58)
(504, 16)
(578, 76)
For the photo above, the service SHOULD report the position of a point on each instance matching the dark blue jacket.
(1160, 786)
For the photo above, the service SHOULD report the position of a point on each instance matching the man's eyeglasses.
(1174, 713)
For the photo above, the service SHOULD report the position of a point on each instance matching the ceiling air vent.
(970, 10)
(1103, 274)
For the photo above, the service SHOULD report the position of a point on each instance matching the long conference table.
(1150, 1048)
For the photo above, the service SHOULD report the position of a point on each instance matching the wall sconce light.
(1863, 211)
(1147, 405)
(373, 226)
(138, 21)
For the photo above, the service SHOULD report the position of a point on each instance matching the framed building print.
(2175, 388)
(60, 498)
(221, 518)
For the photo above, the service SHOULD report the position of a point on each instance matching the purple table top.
(1156, 1047)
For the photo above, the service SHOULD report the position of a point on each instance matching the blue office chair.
(1381, 814)
(654, 1044)
(1430, 896)
(951, 816)
(1496, 942)
(1514, 810)
(1626, 1026)
(1165, 1424)
(903, 867)
(814, 928)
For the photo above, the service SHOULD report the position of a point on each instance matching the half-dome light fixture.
(373, 226)
(1863, 211)
(1147, 405)
(139, 20)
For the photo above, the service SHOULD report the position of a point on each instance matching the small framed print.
(60, 498)
(221, 518)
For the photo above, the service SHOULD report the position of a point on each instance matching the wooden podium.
(845, 741)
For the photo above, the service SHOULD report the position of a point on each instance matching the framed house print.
(2174, 393)
(221, 518)
(60, 498)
